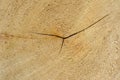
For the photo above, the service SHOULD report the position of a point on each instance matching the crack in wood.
(62, 45)
(63, 38)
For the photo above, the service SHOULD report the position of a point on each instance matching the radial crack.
(86, 27)
(49, 35)
(62, 45)
(63, 38)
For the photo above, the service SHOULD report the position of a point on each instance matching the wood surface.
(59, 39)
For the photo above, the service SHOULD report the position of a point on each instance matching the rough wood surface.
(59, 39)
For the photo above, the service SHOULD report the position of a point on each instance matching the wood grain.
(59, 40)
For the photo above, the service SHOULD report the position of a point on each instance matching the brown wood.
(59, 39)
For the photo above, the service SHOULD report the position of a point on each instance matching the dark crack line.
(49, 35)
(86, 27)
(62, 45)
(63, 38)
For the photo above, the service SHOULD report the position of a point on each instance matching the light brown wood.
(92, 54)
